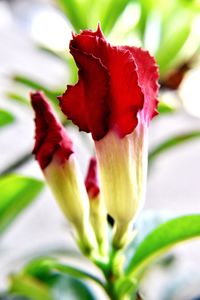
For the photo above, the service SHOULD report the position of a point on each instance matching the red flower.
(115, 84)
(114, 99)
(51, 139)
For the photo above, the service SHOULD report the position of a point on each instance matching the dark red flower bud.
(54, 152)
(91, 181)
(51, 140)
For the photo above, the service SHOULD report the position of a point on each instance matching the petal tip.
(91, 181)
(51, 139)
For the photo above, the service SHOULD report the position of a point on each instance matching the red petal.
(50, 137)
(91, 44)
(72, 103)
(131, 77)
(87, 103)
(91, 181)
(126, 95)
(97, 33)
(147, 71)
(125, 98)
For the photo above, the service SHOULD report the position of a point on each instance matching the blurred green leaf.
(30, 287)
(71, 288)
(164, 108)
(86, 14)
(171, 143)
(76, 12)
(146, 222)
(172, 42)
(6, 118)
(56, 54)
(74, 272)
(109, 19)
(148, 9)
(17, 98)
(41, 280)
(73, 71)
(17, 192)
(44, 267)
(162, 239)
(30, 83)
(172, 22)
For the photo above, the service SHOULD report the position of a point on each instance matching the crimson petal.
(50, 137)
(87, 103)
(98, 32)
(115, 83)
(147, 71)
(125, 98)
(91, 181)
(126, 95)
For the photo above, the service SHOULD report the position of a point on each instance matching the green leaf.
(17, 192)
(146, 222)
(42, 280)
(171, 143)
(44, 267)
(30, 287)
(75, 12)
(164, 108)
(160, 240)
(86, 14)
(72, 288)
(31, 83)
(126, 285)
(17, 98)
(169, 49)
(6, 118)
(109, 19)
(56, 54)
(176, 26)
(75, 272)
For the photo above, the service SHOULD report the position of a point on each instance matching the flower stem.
(112, 270)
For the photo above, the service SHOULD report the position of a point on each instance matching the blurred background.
(34, 38)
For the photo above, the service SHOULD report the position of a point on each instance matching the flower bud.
(98, 215)
(54, 152)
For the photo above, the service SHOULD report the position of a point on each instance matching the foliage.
(17, 192)
(6, 118)
(47, 278)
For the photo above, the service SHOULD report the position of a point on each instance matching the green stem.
(76, 272)
(112, 271)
